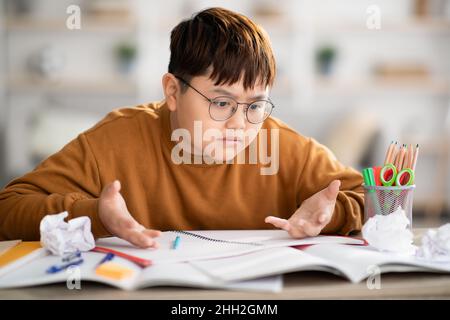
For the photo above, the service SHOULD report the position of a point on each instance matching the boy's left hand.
(312, 216)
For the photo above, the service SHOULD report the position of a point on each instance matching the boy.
(174, 164)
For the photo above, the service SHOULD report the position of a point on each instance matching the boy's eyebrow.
(227, 93)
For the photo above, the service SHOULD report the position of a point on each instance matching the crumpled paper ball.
(390, 233)
(436, 245)
(60, 237)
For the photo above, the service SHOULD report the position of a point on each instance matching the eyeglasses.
(222, 108)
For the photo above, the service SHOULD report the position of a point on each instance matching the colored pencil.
(139, 261)
(416, 155)
(388, 153)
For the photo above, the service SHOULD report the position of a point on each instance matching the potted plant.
(126, 55)
(325, 57)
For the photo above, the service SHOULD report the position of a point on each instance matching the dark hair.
(228, 42)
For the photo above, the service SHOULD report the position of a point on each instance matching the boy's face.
(190, 110)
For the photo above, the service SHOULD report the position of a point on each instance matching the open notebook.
(172, 267)
(174, 274)
(355, 263)
(238, 260)
(237, 269)
(212, 244)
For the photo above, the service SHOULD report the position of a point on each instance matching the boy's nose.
(237, 120)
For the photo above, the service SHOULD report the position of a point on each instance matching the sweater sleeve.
(66, 181)
(320, 168)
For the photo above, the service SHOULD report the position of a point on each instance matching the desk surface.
(299, 285)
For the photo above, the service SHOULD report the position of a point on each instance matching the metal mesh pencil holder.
(386, 200)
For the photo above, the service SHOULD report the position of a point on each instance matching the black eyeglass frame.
(237, 103)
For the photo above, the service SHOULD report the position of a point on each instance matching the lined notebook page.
(199, 245)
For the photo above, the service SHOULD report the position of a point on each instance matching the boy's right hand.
(117, 219)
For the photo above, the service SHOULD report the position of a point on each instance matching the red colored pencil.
(139, 261)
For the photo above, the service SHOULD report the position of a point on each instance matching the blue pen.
(72, 256)
(176, 243)
(58, 268)
(109, 256)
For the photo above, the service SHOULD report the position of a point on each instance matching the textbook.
(237, 260)
(354, 263)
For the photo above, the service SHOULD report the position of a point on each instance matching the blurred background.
(353, 74)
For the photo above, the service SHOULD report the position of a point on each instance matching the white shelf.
(91, 24)
(429, 86)
(109, 86)
(342, 26)
(420, 25)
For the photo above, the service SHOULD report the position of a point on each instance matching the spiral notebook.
(174, 267)
(212, 244)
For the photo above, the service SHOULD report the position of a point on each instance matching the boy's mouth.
(231, 140)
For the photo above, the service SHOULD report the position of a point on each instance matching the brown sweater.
(133, 145)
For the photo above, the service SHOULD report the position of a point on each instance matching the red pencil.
(139, 261)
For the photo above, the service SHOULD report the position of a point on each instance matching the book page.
(184, 274)
(177, 274)
(262, 263)
(34, 272)
(357, 262)
(214, 244)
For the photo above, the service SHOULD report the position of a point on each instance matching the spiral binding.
(198, 236)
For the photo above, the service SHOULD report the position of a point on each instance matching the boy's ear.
(171, 90)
